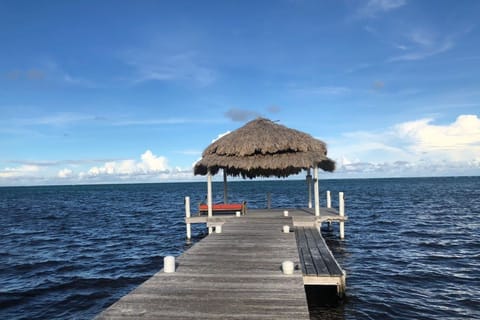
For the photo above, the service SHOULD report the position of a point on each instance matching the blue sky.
(133, 91)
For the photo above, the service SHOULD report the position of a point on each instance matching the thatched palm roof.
(262, 148)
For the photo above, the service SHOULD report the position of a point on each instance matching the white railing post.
(309, 188)
(187, 215)
(329, 199)
(341, 212)
(209, 193)
(315, 190)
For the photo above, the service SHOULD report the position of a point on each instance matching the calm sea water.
(412, 247)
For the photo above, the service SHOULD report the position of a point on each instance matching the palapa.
(263, 148)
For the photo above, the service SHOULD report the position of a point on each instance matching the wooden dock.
(236, 274)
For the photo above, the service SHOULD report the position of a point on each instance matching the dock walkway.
(236, 274)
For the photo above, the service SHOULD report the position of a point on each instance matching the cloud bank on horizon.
(413, 148)
(390, 85)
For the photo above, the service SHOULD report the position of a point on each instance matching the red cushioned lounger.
(225, 207)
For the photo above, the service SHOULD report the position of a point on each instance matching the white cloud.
(53, 71)
(374, 7)
(148, 168)
(421, 44)
(412, 148)
(60, 119)
(152, 163)
(190, 152)
(323, 90)
(20, 171)
(165, 121)
(150, 122)
(77, 81)
(456, 141)
(220, 135)
(163, 64)
(149, 164)
(65, 173)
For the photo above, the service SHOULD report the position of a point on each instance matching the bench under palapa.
(318, 264)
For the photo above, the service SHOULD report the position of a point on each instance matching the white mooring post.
(341, 212)
(315, 190)
(187, 215)
(329, 199)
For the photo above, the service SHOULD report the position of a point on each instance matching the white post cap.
(169, 264)
(287, 267)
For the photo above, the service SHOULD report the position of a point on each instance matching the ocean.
(411, 251)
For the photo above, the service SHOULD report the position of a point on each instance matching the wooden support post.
(315, 190)
(269, 200)
(187, 215)
(342, 285)
(209, 193)
(309, 189)
(329, 199)
(341, 212)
